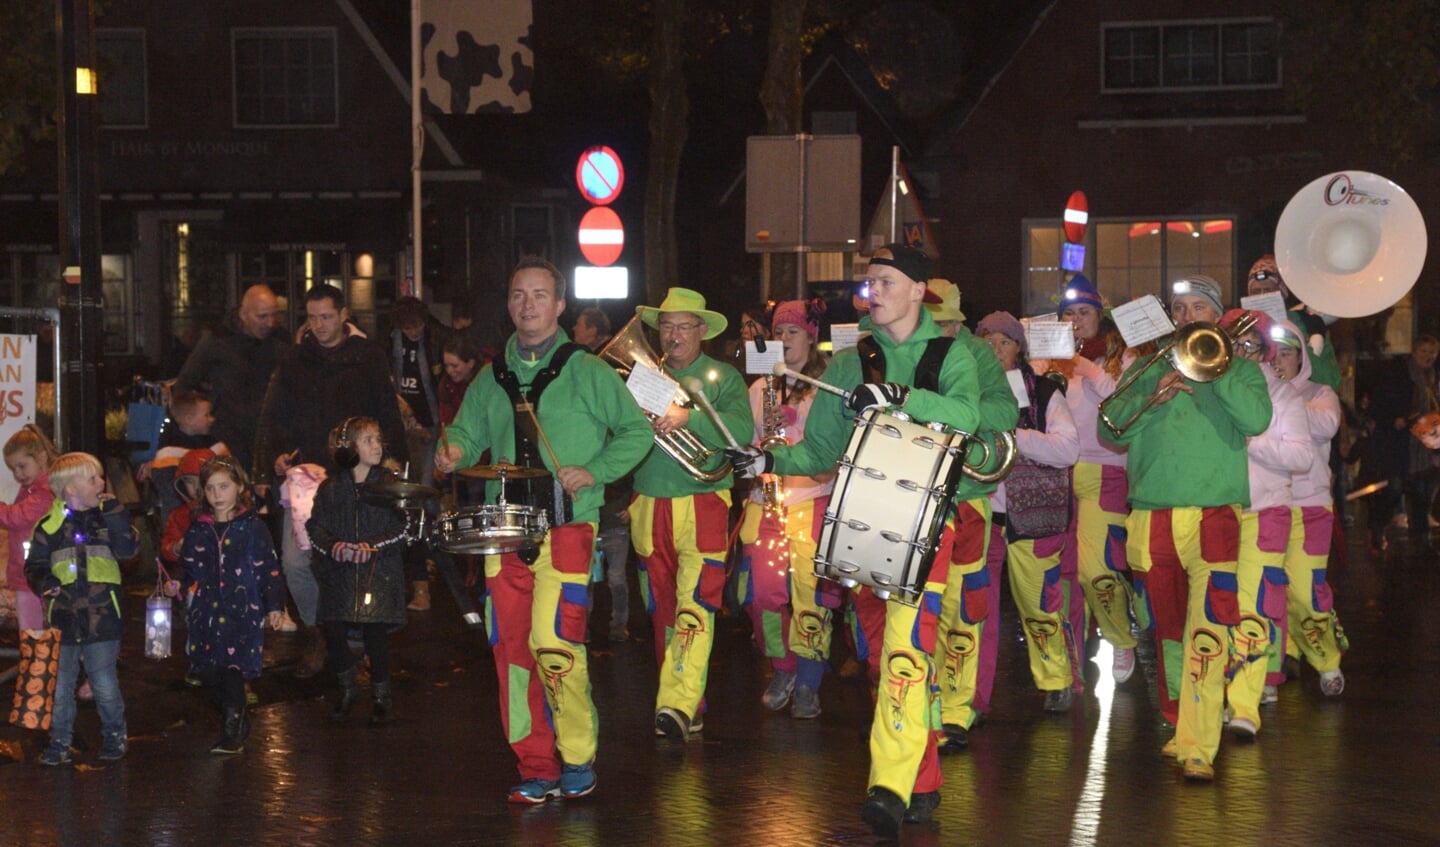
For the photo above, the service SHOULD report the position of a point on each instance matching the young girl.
(28, 455)
(791, 608)
(357, 545)
(229, 555)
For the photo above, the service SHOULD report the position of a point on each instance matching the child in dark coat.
(357, 561)
(229, 555)
(74, 567)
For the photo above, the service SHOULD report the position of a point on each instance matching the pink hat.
(800, 313)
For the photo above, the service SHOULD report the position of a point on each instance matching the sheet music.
(1271, 303)
(1017, 385)
(652, 389)
(844, 335)
(1142, 319)
(763, 363)
(1050, 338)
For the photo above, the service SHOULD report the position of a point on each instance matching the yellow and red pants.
(681, 543)
(536, 616)
(964, 608)
(1311, 623)
(789, 606)
(1186, 558)
(1097, 547)
(1260, 575)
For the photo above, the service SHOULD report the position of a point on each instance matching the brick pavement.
(1359, 770)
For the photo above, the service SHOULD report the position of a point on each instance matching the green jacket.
(1190, 451)
(999, 410)
(587, 415)
(659, 475)
(828, 427)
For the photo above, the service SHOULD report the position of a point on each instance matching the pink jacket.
(798, 489)
(1282, 449)
(1058, 446)
(297, 493)
(1090, 384)
(18, 520)
(1311, 487)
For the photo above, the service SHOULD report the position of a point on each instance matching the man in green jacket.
(550, 403)
(899, 640)
(1188, 482)
(679, 523)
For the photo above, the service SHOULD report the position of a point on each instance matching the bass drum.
(485, 530)
(893, 493)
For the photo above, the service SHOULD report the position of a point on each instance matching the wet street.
(1361, 769)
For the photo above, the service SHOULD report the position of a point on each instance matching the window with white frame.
(1194, 55)
(122, 81)
(285, 77)
(1128, 258)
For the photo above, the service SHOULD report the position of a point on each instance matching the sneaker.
(1332, 683)
(112, 751)
(957, 738)
(1123, 665)
(806, 703)
(287, 623)
(577, 780)
(1243, 729)
(1269, 694)
(534, 791)
(672, 724)
(1199, 770)
(251, 698)
(777, 695)
(883, 811)
(55, 755)
(193, 680)
(1058, 701)
(922, 806)
(697, 724)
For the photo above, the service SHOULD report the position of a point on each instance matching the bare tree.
(783, 99)
(669, 129)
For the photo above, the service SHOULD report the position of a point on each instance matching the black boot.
(380, 711)
(235, 728)
(312, 653)
(349, 693)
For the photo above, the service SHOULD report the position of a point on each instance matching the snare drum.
(500, 528)
(893, 490)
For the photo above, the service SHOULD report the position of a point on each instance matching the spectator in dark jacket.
(233, 369)
(332, 374)
(1400, 392)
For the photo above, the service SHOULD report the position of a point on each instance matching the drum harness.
(523, 401)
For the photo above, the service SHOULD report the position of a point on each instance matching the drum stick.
(454, 477)
(781, 370)
(697, 390)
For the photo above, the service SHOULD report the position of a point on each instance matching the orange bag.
(35, 682)
(1427, 429)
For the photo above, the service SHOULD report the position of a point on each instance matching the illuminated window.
(1130, 258)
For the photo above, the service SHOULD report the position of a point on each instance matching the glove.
(749, 462)
(881, 394)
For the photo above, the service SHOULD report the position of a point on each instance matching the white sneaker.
(1123, 665)
(1269, 695)
(1332, 683)
(1243, 729)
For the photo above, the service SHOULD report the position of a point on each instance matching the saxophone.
(772, 435)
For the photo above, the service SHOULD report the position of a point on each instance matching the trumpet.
(1200, 351)
(624, 350)
(1003, 453)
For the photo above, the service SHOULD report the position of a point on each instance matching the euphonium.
(772, 428)
(624, 350)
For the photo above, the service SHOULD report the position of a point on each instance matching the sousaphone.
(1350, 244)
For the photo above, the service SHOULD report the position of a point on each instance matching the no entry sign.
(600, 175)
(602, 236)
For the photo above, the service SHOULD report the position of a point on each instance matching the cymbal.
(502, 470)
(398, 489)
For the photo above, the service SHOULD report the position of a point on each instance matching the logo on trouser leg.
(688, 625)
(1315, 630)
(1252, 637)
(1041, 631)
(905, 671)
(554, 666)
(1104, 587)
(812, 627)
(1205, 648)
(959, 647)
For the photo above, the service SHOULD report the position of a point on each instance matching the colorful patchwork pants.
(1097, 545)
(964, 609)
(1311, 622)
(1260, 574)
(789, 606)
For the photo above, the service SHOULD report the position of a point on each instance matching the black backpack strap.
(927, 370)
(872, 360)
(525, 405)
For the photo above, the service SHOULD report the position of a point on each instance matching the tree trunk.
(669, 128)
(782, 97)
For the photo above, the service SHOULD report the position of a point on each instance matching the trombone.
(1200, 351)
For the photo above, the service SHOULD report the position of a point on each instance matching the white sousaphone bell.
(1350, 244)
